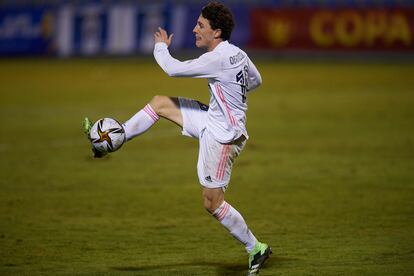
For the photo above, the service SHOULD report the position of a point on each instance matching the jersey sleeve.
(206, 66)
(255, 80)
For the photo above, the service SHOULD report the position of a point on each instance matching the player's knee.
(208, 205)
(160, 104)
(157, 102)
(211, 203)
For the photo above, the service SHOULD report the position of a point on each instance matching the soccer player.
(219, 126)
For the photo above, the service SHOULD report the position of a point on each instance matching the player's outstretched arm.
(203, 67)
(162, 36)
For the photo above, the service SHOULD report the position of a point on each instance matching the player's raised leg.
(159, 106)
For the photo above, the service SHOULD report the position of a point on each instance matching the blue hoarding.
(26, 30)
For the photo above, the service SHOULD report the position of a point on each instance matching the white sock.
(234, 222)
(140, 122)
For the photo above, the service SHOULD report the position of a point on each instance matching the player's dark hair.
(219, 17)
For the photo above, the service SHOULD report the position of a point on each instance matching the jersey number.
(242, 78)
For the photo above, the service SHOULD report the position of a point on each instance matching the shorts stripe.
(222, 158)
(227, 154)
(148, 109)
(223, 162)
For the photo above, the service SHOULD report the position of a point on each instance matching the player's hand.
(162, 36)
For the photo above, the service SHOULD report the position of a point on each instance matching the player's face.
(205, 36)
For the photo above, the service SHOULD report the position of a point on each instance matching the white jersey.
(230, 73)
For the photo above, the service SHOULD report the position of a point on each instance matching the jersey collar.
(221, 44)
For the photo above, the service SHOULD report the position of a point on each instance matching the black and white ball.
(107, 135)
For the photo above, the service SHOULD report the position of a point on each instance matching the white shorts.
(215, 160)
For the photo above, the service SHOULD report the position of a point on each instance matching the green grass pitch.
(327, 177)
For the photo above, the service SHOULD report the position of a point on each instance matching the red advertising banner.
(333, 29)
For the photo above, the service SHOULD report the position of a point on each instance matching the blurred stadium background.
(327, 177)
(90, 28)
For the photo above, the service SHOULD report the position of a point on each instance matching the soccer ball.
(107, 135)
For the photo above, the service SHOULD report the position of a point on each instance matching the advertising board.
(333, 29)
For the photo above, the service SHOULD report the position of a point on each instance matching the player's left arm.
(255, 79)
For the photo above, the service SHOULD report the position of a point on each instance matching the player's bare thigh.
(168, 108)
